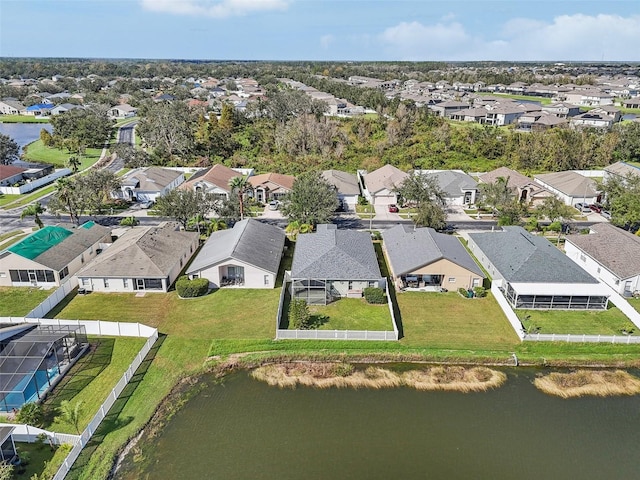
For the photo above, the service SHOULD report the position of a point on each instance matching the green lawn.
(37, 152)
(22, 119)
(608, 322)
(18, 301)
(31, 197)
(352, 314)
(6, 198)
(446, 320)
(635, 303)
(4, 236)
(542, 100)
(37, 453)
(91, 379)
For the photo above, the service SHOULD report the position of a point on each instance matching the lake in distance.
(245, 429)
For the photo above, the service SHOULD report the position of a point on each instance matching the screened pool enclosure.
(33, 358)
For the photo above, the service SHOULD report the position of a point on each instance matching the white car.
(274, 204)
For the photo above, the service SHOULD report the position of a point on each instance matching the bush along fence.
(107, 329)
(290, 334)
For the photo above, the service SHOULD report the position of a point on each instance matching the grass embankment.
(18, 301)
(22, 119)
(37, 152)
(32, 197)
(598, 383)
(635, 303)
(606, 322)
(344, 375)
(6, 198)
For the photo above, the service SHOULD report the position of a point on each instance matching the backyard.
(18, 301)
(602, 322)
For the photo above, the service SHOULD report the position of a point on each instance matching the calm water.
(23, 134)
(245, 429)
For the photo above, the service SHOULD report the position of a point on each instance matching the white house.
(143, 259)
(610, 254)
(346, 185)
(122, 111)
(379, 186)
(147, 184)
(458, 187)
(247, 255)
(569, 186)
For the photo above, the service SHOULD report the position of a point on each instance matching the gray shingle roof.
(150, 179)
(615, 249)
(249, 241)
(335, 254)
(61, 255)
(454, 183)
(524, 258)
(345, 183)
(409, 249)
(570, 183)
(142, 252)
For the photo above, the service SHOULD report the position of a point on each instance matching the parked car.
(606, 214)
(274, 204)
(583, 207)
(393, 208)
(595, 207)
(146, 205)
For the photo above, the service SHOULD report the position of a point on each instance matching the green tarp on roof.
(40, 241)
(88, 224)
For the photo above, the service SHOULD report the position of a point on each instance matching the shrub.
(192, 288)
(375, 295)
(299, 316)
(31, 414)
(555, 227)
(479, 292)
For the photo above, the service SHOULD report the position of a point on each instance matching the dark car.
(595, 207)
(393, 208)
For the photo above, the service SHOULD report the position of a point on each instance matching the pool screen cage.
(32, 359)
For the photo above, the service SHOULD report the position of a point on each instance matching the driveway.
(268, 213)
(382, 213)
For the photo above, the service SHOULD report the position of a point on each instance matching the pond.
(243, 429)
(23, 134)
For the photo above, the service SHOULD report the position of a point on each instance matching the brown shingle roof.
(218, 175)
(285, 181)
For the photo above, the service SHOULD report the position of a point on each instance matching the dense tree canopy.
(81, 128)
(8, 150)
(311, 200)
(183, 204)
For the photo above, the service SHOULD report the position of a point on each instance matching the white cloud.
(566, 37)
(214, 8)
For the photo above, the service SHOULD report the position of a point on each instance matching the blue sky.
(518, 30)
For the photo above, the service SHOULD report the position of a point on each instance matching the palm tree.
(74, 163)
(296, 227)
(240, 185)
(66, 192)
(70, 414)
(216, 224)
(34, 210)
(197, 221)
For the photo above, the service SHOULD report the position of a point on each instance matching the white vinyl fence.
(28, 434)
(557, 337)
(508, 311)
(286, 334)
(98, 327)
(32, 185)
(54, 299)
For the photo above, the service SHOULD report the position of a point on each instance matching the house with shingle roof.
(247, 255)
(527, 190)
(10, 174)
(10, 106)
(123, 110)
(149, 183)
(379, 187)
(329, 264)
(620, 170)
(142, 259)
(346, 185)
(569, 186)
(459, 188)
(214, 180)
(425, 260)
(534, 274)
(610, 254)
(52, 254)
(270, 186)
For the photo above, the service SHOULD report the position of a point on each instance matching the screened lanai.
(33, 357)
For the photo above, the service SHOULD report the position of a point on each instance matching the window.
(82, 258)
(106, 282)
(452, 280)
(85, 282)
(3, 274)
(372, 284)
(266, 279)
(64, 272)
(125, 282)
(350, 285)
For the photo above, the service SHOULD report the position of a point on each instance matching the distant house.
(39, 109)
(147, 184)
(142, 259)
(477, 114)
(270, 186)
(248, 256)
(64, 107)
(588, 98)
(425, 260)
(164, 97)
(527, 190)
(501, 115)
(569, 186)
(592, 119)
(459, 188)
(630, 103)
(545, 122)
(533, 273)
(561, 109)
(10, 174)
(12, 107)
(122, 111)
(49, 255)
(620, 170)
(610, 254)
(379, 187)
(448, 108)
(330, 263)
(214, 180)
(346, 185)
